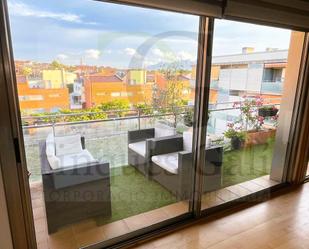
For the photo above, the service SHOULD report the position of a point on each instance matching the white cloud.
(21, 9)
(183, 55)
(108, 51)
(171, 55)
(130, 51)
(92, 53)
(62, 56)
(157, 52)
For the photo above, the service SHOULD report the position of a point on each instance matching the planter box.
(267, 113)
(259, 137)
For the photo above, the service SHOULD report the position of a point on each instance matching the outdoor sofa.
(138, 145)
(76, 186)
(171, 165)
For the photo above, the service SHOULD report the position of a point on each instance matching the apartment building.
(250, 73)
(137, 77)
(58, 78)
(36, 99)
(156, 179)
(101, 89)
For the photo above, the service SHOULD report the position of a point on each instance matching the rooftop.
(103, 79)
(265, 56)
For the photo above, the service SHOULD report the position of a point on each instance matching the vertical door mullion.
(201, 108)
(14, 170)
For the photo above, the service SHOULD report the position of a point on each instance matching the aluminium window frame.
(17, 186)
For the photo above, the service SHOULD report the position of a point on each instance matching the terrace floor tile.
(88, 232)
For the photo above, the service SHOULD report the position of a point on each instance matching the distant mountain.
(184, 64)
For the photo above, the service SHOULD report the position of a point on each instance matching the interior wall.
(287, 106)
(5, 232)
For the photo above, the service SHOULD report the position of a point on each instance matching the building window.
(55, 95)
(272, 75)
(115, 94)
(31, 98)
(126, 94)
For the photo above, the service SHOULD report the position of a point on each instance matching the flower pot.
(259, 137)
(236, 143)
(273, 112)
(267, 112)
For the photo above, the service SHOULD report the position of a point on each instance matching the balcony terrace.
(136, 201)
(272, 87)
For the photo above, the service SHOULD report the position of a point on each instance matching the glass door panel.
(250, 76)
(106, 95)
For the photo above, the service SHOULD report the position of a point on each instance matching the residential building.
(225, 173)
(250, 73)
(107, 71)
(36, 99)
(101, 89)
(136, 77)
(58, 78)
(77, 96)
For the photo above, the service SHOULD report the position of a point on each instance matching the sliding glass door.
(113, 108)
(106, 94)
(253, 84)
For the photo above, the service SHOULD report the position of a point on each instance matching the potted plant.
(236, 135)
(268, 111)
(252, 122)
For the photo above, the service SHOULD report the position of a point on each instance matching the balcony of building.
(136, 201)
(272, 87)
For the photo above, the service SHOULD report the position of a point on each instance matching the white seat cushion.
(66, 145)
(169, 162)
(76, 159)
(139, 148)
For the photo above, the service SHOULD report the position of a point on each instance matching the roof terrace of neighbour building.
(245, 58)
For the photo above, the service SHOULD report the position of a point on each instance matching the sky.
(105, 34)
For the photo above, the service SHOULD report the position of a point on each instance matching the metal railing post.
(139, 118)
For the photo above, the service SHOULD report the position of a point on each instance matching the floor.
(280, 223)
(87, 232)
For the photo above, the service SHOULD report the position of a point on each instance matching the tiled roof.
(182, 78)
(100, 78)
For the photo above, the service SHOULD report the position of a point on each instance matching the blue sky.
(116, 35)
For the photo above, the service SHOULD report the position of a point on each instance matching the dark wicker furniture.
(180, 184)
(74, 193)
(140, 162)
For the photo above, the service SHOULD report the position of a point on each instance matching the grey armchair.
(171, 166)
(138, 145)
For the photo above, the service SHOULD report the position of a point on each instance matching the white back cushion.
(162, 130)
(76, 159)
(54, 162)
(208, 141)
(187, 141)
(67, 145)
(50, 145)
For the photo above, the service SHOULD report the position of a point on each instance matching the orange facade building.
(32, 100)
(105, 88)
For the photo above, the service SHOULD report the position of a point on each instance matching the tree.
(56, 65)
(171, 96)
(144, 108)
(26, 71)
